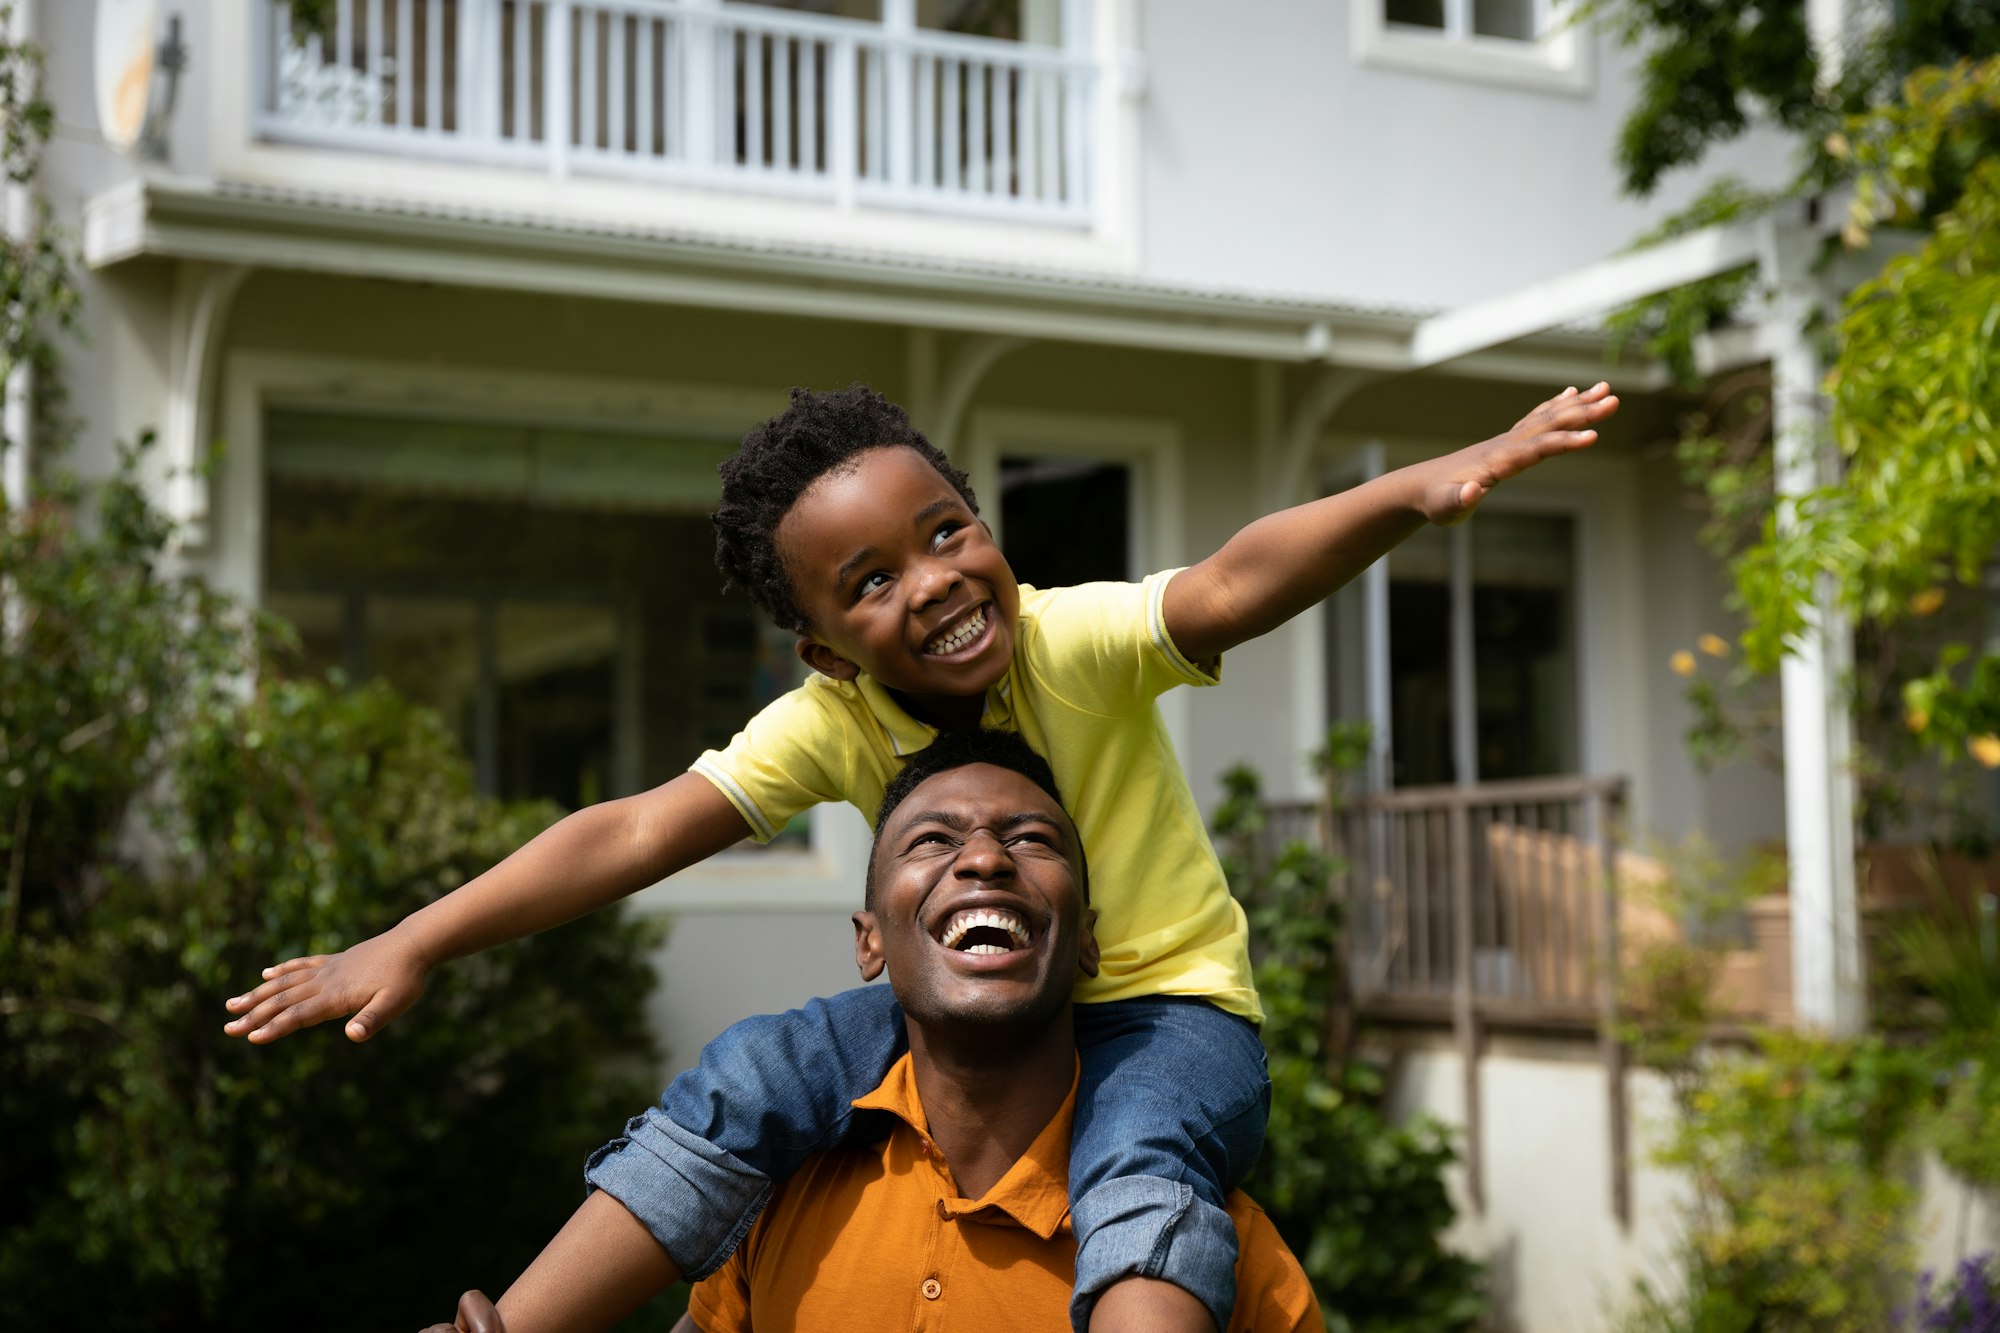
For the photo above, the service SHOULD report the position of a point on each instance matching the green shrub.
(1362, 1202)
(1799, 1157)
(173, 816)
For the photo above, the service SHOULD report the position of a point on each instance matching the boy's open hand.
(376, 980)
(1559, 426)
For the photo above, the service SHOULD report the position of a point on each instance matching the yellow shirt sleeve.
(790, 757)
(1104, 647)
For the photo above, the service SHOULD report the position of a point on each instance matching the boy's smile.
(902, 581)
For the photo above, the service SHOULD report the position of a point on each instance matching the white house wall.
(1273, 159)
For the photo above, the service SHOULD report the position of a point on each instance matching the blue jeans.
(1170, 1113)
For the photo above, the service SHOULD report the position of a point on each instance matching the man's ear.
(1086, 956)
(868, 947)
(824, 660)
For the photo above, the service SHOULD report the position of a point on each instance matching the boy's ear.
(1086, 957)
(868, 947)
(824, 660)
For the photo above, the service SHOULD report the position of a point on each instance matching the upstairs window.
(1519, 43)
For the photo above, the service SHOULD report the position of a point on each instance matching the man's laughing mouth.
(985, 930)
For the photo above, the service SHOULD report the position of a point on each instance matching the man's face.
(899, 578)
(979, 911)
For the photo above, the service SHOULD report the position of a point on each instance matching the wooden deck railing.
(1480, 905)
(1505, 894)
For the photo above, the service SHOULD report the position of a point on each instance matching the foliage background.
(174, 814)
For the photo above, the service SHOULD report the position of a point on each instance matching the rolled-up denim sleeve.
(683, 1188)
(767, 1093)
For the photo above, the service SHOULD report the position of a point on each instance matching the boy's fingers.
(260, 1018)
(269, 990)
(305, 1013)
(276, 979)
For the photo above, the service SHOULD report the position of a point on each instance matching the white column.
(16, 415)
(1827, 991)
(1375, 643)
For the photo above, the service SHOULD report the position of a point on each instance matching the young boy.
(843, 523)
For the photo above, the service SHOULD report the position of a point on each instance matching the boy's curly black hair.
(775, 465)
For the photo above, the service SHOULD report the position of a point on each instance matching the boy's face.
(900, 579)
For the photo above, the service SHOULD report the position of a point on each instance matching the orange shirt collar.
(1035, 1190)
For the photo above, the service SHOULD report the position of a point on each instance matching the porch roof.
(264, 226)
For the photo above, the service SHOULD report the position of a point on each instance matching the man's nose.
(983, 856)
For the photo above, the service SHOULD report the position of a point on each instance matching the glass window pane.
(1504, 18)
(1415, 13)
(994, 18)
(613, 658)
(869, 10)
(320, 621)
(556, 672)
(1066, 520)
(1524, 644)
(1420, 660)
(428, 648)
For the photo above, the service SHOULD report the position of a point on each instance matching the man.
(977, 907)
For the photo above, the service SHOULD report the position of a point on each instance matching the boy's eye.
(870, 582)
(946, 530)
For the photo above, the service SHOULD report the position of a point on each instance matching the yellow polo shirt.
(879, 1238)
(1089, 662)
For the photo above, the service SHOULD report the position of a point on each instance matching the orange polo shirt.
(879, 1238)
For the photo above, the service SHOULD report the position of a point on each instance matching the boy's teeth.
(966, 631)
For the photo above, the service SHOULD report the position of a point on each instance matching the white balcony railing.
(723, 95)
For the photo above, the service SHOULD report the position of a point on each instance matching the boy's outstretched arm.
(1287, 561)
(586, 860)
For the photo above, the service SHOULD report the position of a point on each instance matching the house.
(473, 294)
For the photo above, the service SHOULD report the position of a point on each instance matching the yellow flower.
(1682, 662)
(1985, 749)
(1713, 644)
(1927, 602)
(1837, 145)
(1916, 719)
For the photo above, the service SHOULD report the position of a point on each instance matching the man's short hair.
(959, 749)
(779, 460)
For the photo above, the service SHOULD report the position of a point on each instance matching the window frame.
(1557, 62)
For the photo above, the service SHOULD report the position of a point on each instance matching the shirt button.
(932, 1288)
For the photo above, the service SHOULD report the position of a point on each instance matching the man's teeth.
(965, 922)
(968, 630)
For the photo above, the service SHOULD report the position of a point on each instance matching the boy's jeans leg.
(1170, 1113)
(768, 1093)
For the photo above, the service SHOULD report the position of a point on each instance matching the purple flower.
(1969, 1303)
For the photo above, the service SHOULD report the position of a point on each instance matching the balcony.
(846, 112)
